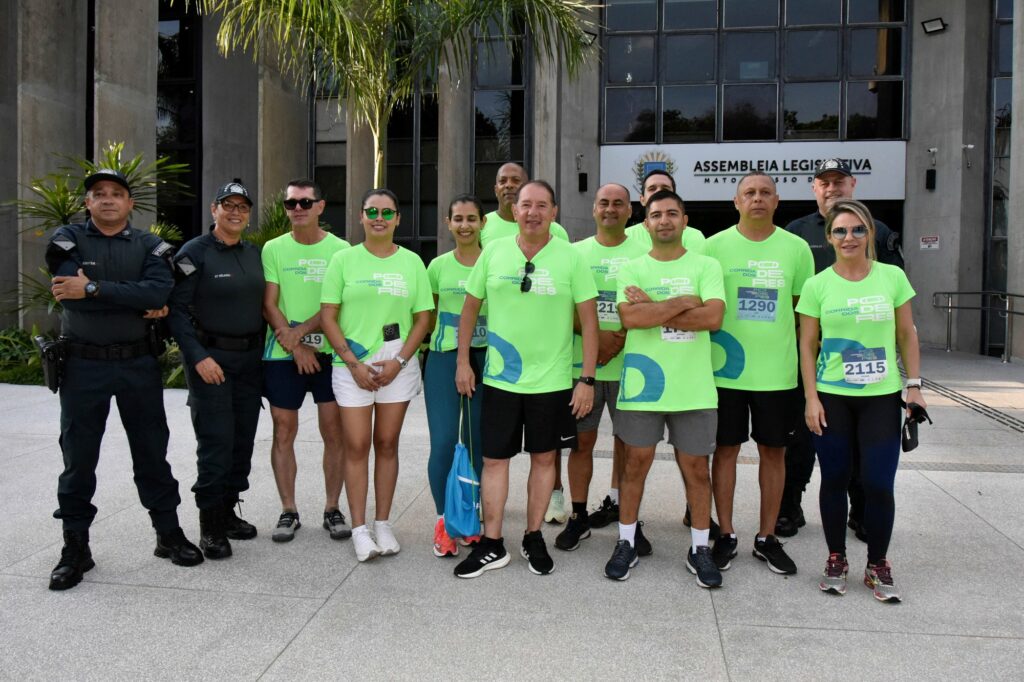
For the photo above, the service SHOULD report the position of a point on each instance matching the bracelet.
(913, 383)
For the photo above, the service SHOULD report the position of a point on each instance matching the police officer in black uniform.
(109, 278)
(217, 319)
(833, 180)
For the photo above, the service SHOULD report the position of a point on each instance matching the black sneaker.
(488, 554)
(713, 532)
(334, 523)
(702, 565)
(536, 552)
(789, 525)
(623, 558)
(724, 551)
(858, 529)
(770, 551)
(640, 541)
(577, 530)
(607, 513)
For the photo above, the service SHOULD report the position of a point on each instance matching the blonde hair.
(861, 211)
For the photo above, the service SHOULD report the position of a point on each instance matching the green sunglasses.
(385, 213)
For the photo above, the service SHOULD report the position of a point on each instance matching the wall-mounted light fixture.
(936, 25)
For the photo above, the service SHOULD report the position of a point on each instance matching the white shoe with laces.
(386, 541)
(364, 544)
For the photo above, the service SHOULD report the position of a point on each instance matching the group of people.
(531, 338)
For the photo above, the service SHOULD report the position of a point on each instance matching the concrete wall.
(1015, 252)
(8, 161)
(284, 119)
(948, 79)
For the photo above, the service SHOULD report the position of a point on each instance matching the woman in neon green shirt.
(375, 311)
(862, 309)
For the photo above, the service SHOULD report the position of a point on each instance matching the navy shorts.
(285, 388)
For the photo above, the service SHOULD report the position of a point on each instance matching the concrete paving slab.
(996, 498)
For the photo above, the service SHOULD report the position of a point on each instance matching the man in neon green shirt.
(656, 181)
(297, 357)
(502, 223)
(754, 355)
(532, 284)
(669, 300)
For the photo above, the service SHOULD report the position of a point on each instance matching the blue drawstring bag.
(462, 492)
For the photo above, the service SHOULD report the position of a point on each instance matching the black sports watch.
(91, 289)
(589, 381)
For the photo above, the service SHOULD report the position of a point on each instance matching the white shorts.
(404, 388)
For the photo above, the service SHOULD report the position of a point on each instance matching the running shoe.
(364, 545)
(443, 545)
(385, 538)
(833, 578)
(536, 552)
(577, 530)
(789, 525)
(487, 555)
(623, 558)
(470, 541)
(640, 541)
(879, 578)
(724, 552)
(605, 514)
(556, 508)
(700, 562)
(287, 524)
(770, 551)
(334, 523)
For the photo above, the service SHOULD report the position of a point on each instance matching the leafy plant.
(273, 222)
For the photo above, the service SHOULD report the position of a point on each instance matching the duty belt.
(235, 343)
(117, 351)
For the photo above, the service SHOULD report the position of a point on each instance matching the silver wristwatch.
(913, 383)
(402, 362)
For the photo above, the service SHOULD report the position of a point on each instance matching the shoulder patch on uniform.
(185, 266)
(64, 243)
(162, 248)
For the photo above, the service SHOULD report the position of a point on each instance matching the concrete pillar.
(455, 128)
(1015, 250)
(8, 161)
(125, 82)
(285, 123)
(51, 117)
(945, 89)
(358, 174)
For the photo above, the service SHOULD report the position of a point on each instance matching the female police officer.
(217, 318)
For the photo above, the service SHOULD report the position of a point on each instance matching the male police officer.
(110, 277)
(217, 318)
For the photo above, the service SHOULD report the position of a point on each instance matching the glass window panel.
(175, 115)
(497, 66)
(688, 113)
(874, 110)
(629, 114)
(1000, 196)
(330, 153)
(630, 59)
(175, 49)
(483, 182)
(749, 56)
(744, 13)
(749, 112)
(1004, 42)
(500, 123)
(689, 14)
(810, 111)
(688, 57)
(631, 15)
(802, 12)
(332, 182)
(400, 134)
(428, 128)
(997, 267)
(1004, 10)
(812, 54)
(1002, 110)
(871, 11)
(876, 52)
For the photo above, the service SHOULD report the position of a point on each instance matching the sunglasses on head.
(858, 232)
(306, 204)
(385, 213)
(528, 269)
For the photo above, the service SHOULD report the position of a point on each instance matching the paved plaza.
(309, 610)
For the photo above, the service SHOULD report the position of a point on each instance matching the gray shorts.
(605, 393)
(691, 432)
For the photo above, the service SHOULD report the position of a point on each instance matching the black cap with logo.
(108, 174)
(834, 166)
(233, 188)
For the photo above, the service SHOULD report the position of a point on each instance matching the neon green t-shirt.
(448, 279)
(604, 263)
(529, 334)
(298, 269)
(693, 239)
(858, 329)
(374, 292)
(666, 369)
(497, 227)
(755, 350)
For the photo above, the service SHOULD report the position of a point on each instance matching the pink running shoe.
(443, 545)
(470, 541)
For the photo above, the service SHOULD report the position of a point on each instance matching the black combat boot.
(75, 560)
(213, 537)
(175, 546)
(237, 528)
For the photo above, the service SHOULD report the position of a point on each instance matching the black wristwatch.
(589, 381)
(91, 289)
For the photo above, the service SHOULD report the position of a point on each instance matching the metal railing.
(1004, 309)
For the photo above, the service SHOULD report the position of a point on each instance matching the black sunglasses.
(306, 204)
(525, 285)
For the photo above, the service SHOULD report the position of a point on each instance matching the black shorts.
(285, 388)
(774, 415)
(546, 419)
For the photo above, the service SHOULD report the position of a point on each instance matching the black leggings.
(871, 424)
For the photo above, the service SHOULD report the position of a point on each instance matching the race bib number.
(315, 340)
(677, 335)
(607, 311)
(865, 365)
(756, 305)
(479, 336)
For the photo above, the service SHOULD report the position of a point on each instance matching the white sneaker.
(385, 538)
(556, 508)
(364, 545)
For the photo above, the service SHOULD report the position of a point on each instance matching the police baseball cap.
(233, 188)
(108, 174)
(834, 166)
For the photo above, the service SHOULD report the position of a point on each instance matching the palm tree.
(374, 52)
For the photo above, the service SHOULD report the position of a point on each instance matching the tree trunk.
(378, 128)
